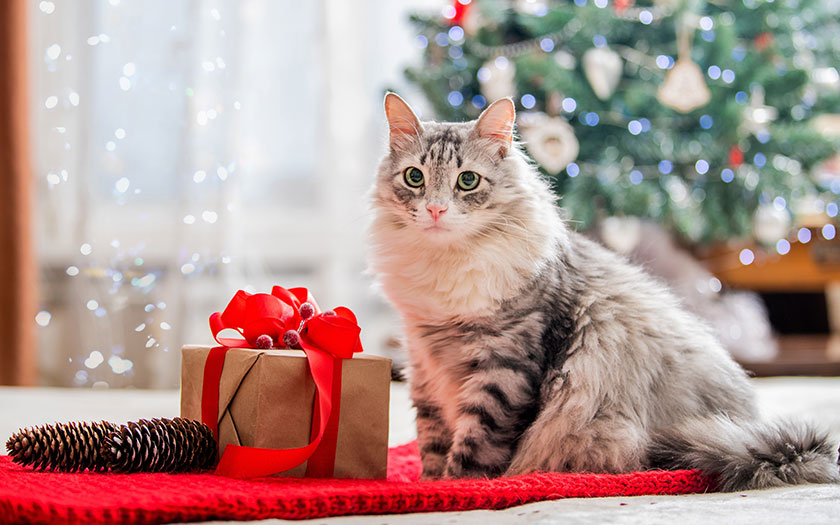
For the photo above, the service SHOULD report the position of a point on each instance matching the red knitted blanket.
(45, 497)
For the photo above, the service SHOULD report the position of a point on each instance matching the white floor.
(816, 399)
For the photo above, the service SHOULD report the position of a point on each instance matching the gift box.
(320, 410)
(266, 400)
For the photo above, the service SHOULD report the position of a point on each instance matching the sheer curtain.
(184, 150)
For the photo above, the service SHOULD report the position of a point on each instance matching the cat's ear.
(403, 125)
(496, 124)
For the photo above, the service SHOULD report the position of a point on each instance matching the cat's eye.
(413, 177)
(468, 180)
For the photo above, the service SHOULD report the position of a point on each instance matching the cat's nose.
(436, 210)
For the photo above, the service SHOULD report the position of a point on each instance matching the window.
(184, 150)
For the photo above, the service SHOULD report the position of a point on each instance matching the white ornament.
(602, 67)
(565, 59)
(498, 79)
(684, 89)
(809, 212)
(621, 234)
(758, 116)
(551, 141)
(828, 171)
(828, 124)
(531, 7)
(770, 223)
(667, 4)
(826, 79)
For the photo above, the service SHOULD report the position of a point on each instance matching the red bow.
(326, 338)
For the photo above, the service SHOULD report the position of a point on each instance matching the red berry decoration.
(264, 342)
(621, 5)
(329, 312)
(306, 310)
(459, 12)
(763, 40)
(291, 339)
(736, 156)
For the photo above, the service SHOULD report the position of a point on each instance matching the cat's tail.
(748, 455)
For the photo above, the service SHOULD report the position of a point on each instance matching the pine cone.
(62, 447)
(160, 445)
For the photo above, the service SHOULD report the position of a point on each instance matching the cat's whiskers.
(492, 231)
(513, 230)
(503, 228)
(518, 223)
(516, 228)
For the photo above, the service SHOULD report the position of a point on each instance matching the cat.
(533, 348)
(738, 318)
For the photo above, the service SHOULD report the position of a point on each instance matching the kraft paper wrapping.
(266, 399)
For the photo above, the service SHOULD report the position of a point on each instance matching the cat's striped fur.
(533, 348)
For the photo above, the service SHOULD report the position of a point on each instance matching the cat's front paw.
(453, 471)
(460, 465)
(434, 466)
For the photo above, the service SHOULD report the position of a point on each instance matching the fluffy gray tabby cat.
(533, 348)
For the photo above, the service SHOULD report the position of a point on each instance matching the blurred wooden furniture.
(809, 268)
(801, 355)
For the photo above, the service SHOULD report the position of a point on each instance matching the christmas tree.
(713, 118)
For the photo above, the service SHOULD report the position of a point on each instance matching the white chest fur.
(434, 283)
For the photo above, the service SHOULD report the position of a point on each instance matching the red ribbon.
(326, 339)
